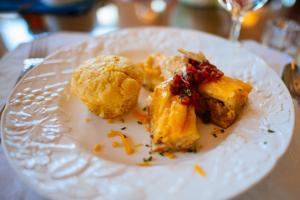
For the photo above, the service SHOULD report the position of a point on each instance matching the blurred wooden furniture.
(109, 15)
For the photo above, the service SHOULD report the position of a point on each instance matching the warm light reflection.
(102, 30)
(158, 5)
(288, 3)
(108, 15)
(144, 12)
(14, 30)
(148, 11)
(250, 19)
(9, 16)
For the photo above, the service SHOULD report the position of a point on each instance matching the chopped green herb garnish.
(123, 128)
(139, 122)
(188, 92)
(271, 131)
(192, 150)
(161, 154)
(147, 145)
(147, 159)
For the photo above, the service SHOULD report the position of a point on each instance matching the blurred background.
(23, 20)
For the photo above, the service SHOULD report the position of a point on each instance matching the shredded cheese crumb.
(115, 144)
(144, 164)
(139, 145)
(217, 131)
(97, 148)
(147, 127)
(110, 121)
(153, 71)
(114, 133)
(128, 146)
(88, 119)
(170, 155)
(141, 116)
(199, 170)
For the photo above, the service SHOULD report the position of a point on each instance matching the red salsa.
(186, 84)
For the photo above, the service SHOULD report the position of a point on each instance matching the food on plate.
(141, 116)
(196, 88)
(144, 164)
(169, 155)
(184, 87)
(172, 65)
(222, 97)
(151, 71)
(216, 98)
(115, 144)
(97, 148)
(173, 124)
(157, 68)
(109, 85)
(225, 99)
(199, 170)
(126, 141)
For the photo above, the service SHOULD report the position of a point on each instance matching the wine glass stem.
(235, 29)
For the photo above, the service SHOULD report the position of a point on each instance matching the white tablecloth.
(283, 182)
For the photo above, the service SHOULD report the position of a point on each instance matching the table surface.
(109, 15)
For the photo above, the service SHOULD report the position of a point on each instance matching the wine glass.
(238, 9)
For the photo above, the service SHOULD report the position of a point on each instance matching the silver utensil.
(38, 52)
(291, 78)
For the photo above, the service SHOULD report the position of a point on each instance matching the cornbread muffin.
(108, 85)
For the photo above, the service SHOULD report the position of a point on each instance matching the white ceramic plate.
(48, 141)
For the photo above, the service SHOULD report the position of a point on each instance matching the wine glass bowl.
(237, 9)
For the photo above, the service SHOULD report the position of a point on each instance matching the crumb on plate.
(88, 119)
(144, 164)
(116, 144)
(110, 121)
(141, 116)
(149, 159)
(139, 145)
(199, 170)
(169, 155)
(128, 146)
(97, 148)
